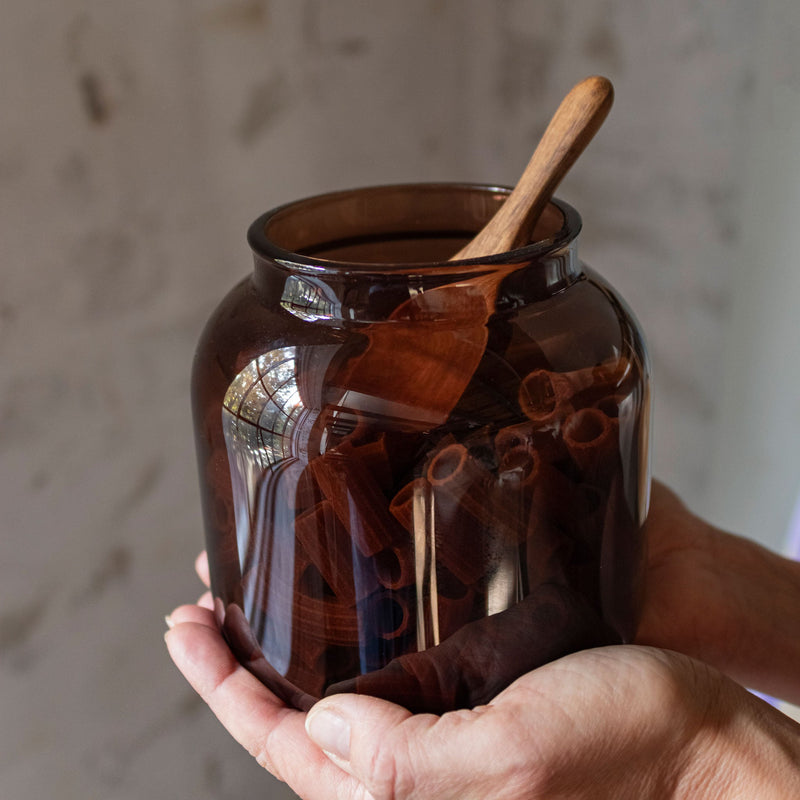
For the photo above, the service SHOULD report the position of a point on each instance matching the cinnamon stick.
(329, 547)
(545, 397)
(454, 473)
(358, 502)
(592, 439)
(394, 566)
(402, 504)
(373, 456)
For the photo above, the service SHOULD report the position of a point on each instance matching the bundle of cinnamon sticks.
(430, 567)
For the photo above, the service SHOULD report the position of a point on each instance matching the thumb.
(368, 738)
(393, 753)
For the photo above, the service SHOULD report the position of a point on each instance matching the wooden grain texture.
(419, 371)
(572, 127)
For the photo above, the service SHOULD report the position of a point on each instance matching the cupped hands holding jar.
(423, 430)
(425, 490)
(667, 717)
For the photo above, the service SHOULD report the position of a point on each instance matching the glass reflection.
(264, 417)
(310, 299)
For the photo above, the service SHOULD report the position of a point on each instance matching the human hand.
(641, 721)
(612, 722)
(721, 599)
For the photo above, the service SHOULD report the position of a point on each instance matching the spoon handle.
(572, 127)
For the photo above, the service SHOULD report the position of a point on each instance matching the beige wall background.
(138, 141)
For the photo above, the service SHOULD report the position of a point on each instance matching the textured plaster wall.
(137, 142)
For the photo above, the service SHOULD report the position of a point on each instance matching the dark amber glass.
(420, 478)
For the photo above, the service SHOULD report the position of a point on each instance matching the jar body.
(421, 479)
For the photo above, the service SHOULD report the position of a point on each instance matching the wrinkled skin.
(615, 722)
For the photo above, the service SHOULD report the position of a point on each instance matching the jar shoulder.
(246, 325)
(587, 323)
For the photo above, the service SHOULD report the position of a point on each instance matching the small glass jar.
(421, 478)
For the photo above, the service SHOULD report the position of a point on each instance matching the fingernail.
(168, 620)
(330, 731)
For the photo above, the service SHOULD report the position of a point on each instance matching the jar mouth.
(416, 226)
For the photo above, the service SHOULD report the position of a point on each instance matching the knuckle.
(264, 761)
(262, 749)
(385, 777)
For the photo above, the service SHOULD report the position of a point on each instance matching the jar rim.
(266, 248)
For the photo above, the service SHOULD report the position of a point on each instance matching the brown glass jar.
(421, 478)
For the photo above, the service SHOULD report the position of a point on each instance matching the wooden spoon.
(417, 364)
(572, 127)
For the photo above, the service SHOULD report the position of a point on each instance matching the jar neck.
(382, 253)
(372, 298)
